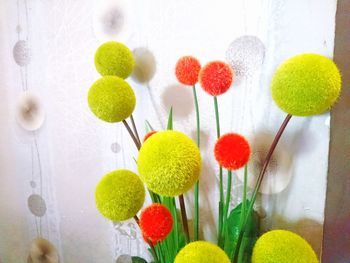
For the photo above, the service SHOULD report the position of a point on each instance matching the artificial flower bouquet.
(169, 162)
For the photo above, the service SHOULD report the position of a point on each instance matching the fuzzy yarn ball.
(187, 70)
(149, 134)
(114, 58)
(156, 222)
(283, 246)
(119, 195)
(201, 252)
(169, 163)
(232, 151)
(216, 77)
(305, 85)
(111, 99)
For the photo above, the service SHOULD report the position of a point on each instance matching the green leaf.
(233, 229)
(148, 126)
(176, 239)
(170, 119)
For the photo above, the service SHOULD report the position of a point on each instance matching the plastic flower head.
(216, 77)
(169, 163)
(282, 246)
(306, 85)
(187, 70)
(119, 195)
(201, 252)
(149, 134)
(156, 222)
(111, 99)
(232, 151)
(114, 58)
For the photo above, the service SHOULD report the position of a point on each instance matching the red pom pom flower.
(156, 222)
(187, 70)
(216, 77)
(148, 135)
(232, 151)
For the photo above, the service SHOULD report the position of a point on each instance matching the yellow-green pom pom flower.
(201, 252)
(305, 85)
(114, 58)
(119, 195)
(169, 163)
(283, 246)
(111, 99)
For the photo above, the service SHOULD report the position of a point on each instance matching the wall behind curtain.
(47, 48)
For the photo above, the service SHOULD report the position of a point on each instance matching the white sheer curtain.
(48, 176)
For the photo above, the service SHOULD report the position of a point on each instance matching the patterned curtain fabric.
(53, 151)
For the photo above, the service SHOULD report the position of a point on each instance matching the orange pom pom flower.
(149, 134)
(232, 151)
(187, 70)
(216, 77)
(156, 222)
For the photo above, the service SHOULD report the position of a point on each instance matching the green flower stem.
(243, 212)
(221, 186)
(176, 223)
(244, 200)
(196, 187)
(227, 202)
(258, 184)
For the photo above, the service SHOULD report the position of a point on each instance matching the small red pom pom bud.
(156, 222)
(216, 77)
(232, 151)
(187, 70)
(148, 135)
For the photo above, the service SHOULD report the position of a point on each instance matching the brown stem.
(136, 218)
(258, 184)
(184, 218)
(138, 146)
(135, 129)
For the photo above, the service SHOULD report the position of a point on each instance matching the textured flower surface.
(114, 58)
(216, 77)
(111, 99)
(119, 195)
(283, 246)
(169, 163)
(156, 222)
(232, 151)
(307, 84)
(187, 70)
(201, 252)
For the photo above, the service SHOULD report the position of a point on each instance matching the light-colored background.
(73, 150)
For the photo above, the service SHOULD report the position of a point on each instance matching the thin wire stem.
(176, 222)
(243, 210)
(135, 129)
(258, 184)
(227, 202)
(221, 186)
(196, 187)
(184, 218)
(138, 146)
(244, 199)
